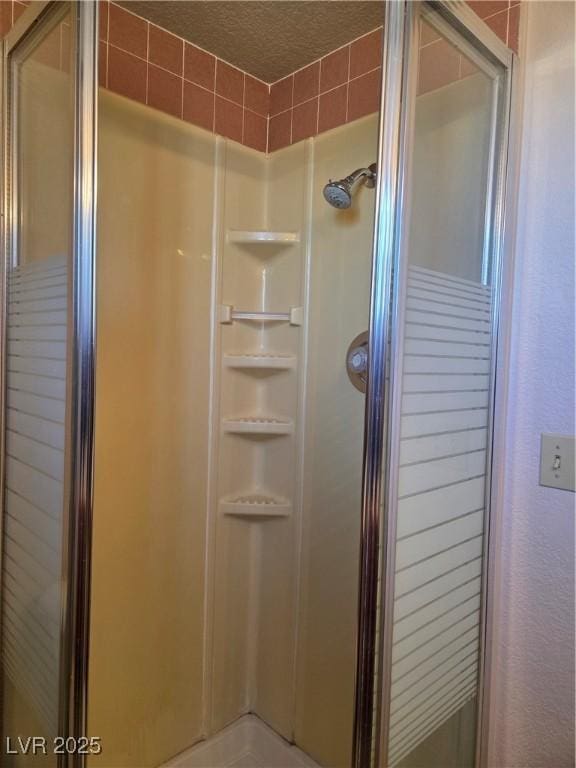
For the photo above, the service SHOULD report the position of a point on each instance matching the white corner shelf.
(228, 314)
(258, 425)
(266, 362)
(255, 506)
(262, 237)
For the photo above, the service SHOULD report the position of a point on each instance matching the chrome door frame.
(79, 455)
(374, 526)
(78, 535)
(382, 421)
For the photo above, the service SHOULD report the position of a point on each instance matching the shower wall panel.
(340, 258)
(156, 178)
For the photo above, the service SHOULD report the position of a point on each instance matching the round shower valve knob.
(358, 360)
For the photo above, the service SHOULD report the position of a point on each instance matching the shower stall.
(249, 392)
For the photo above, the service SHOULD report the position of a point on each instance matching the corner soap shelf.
(262, 319)
(266, 362)
(262, 237)
(255, 506)
(227, 314)
(258, 425)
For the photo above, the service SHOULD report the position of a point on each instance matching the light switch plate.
(557, 462)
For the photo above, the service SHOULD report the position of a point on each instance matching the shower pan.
(249, 396)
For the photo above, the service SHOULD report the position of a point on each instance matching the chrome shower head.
(339, 193)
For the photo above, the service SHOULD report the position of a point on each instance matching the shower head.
(339, 193)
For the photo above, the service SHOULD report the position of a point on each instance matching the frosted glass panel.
(444, 418)
(36, 364)
(36, 372)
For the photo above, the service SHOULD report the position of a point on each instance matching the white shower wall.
(202, 608)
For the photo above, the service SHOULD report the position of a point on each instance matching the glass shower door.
(442, 389)
(36, 360)
(44, 269)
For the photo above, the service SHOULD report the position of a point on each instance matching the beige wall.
(532, 701)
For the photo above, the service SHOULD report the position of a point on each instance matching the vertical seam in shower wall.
(147, 59)
(301, 419)
(107, 56)
(213, 440)
(267, 169)
(243, 106)
(291, 111)
(183, 81)
(348, 80)
(216, 63)
(60, 45)
(253, 622)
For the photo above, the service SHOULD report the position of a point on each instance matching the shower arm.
(369, 174)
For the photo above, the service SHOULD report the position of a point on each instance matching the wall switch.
(557, 462)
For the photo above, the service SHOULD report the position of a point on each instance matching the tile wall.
(345, 84)
(146, 63)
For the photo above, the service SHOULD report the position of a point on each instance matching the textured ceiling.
(269, 38)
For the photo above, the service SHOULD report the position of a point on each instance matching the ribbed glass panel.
(34, 487)
(444, 421)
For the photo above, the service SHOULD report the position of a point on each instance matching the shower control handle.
(357, 361)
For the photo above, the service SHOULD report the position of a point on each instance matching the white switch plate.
(557, 462)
